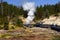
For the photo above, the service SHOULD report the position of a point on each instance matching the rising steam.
(30, 7)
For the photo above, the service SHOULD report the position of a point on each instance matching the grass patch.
(10, 36)
(6, 36)
(56, 38)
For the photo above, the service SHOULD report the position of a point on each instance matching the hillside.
(52, 20)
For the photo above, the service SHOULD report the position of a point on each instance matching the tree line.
(47, 10)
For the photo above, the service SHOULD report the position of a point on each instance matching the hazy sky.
(37, 2)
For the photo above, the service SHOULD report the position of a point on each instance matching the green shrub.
(19, 23)
(1, 27)
(6, 27)
(12, 27)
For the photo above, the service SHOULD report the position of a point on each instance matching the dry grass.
(29, 34)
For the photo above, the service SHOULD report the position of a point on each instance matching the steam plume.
(30, 7)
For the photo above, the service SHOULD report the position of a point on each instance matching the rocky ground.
(29, 34)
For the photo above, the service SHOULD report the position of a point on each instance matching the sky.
(37, 2)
